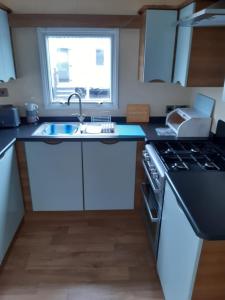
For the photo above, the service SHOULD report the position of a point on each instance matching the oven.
(152, 193)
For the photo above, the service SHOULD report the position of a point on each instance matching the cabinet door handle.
(52, 143)
(157, 80)
(109, 142)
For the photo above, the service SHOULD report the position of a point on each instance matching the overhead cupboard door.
(109, 175)
(183, 50)
(55, 174)
(7, 69)
(160, 33)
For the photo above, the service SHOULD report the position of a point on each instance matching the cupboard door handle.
(52, 143)
(157, 80)
(109, 142)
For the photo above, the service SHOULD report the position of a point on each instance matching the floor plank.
(76, 256)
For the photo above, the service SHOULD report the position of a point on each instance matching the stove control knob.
(155, 175)
(145, 153)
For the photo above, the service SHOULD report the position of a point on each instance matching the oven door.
(152, 215)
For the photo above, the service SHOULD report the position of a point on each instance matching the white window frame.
(42, 33)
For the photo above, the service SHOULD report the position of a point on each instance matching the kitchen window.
(79, 60)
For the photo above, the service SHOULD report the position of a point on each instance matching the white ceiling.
(81, 6)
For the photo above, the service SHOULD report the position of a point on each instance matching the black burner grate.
(177, 155)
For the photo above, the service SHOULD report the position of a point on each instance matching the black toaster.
(9, 116)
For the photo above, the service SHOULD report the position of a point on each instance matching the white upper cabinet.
(183, 50)
(7, 69)
(157, 46)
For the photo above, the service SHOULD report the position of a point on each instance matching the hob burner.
(210, 166)
(179, 166)
(194, 150)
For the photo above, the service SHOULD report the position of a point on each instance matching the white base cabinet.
(55, 175)
(11, 202)
(109, 175)
(179, 251)
(73, 176)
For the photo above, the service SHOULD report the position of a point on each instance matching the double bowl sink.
(75, 129)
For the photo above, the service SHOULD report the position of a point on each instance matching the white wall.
(29, 85)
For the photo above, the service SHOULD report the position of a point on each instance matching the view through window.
(80, 62)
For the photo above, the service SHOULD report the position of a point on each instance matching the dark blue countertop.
(151, 134)
(6, 142)
(126, 132)
(201, 195)
(24, 133)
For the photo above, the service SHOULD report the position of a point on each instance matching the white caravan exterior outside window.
(79, 60)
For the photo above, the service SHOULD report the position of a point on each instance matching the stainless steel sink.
(75, 129)
(57, 129)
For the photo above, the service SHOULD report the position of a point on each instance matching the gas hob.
(181, 156)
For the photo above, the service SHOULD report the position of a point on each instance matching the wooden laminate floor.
(80, 256)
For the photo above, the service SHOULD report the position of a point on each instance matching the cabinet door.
(11, 202)
(184, 42)
(55, 175)
(7, 70)
(160, 34)
(109, 175)
(179, 251)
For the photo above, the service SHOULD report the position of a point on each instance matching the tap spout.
(80, 116)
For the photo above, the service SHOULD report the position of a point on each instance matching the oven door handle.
(155, 189)
(153, 219)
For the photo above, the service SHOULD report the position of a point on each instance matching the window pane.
(80, 63)
(99, 57)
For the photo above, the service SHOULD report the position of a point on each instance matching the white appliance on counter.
(192, 122)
